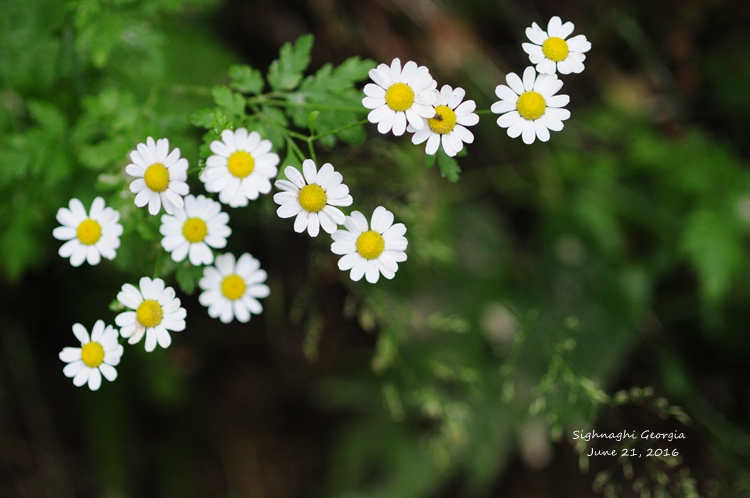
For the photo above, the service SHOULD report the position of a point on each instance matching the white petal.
(372, 271)
(463, 134)
(95, 379)
(379, 114)
(108, 371)
(295, 177)
(69, 355)
(579, 44)
(565, 30)
(536, 34)
(541, 131)
(546, 67)
(557, 113)
(409, 71)
(374, 91)
(517, 127)
(564, 67)
(529, 133)
(358, 271)
(289, 209)
(456, 97)
(396, 70)
(72, 369)
(310, 171)
(300, 223)
(349, 261)
(163, 337)
(421, 135)
(514, 82)
(529, 75)
(81, 334)
(150, 339)
(399, 124)
(432, 144)
(82, 376)
(509, 119)
(558, 101)
(64, 233)
(343, 247)
(553, 27)
(313, 225)
(326, 223)
(386, 123)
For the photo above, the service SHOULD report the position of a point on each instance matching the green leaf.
(285, 73)
(449, 168)
(246, 79)
(311, 121)
(714, 246)
(111, 126)
(232, 103)
(220, 123)
(203, 118)
(333, 87)
(429, 160)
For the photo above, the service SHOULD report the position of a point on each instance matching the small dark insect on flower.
(438, 117)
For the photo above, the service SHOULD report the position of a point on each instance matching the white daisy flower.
(191, 230)
(232, 290)
(157, 311)
(530, 107)
(89, 236)
(241, 168)
(551, 51)
(97, 356)
(373, 251)
(399, 96)
(160, 176)
(449, 124)
(312, 198)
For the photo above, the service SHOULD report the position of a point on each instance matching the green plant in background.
(478, 342)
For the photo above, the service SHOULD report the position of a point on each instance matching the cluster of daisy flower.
(406, 98)
(243, 166)
(529, 105)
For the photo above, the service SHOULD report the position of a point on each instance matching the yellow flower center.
(194, 230)
(233, 287)
(399, 96)
(241, 164)
(555, 49)
(92, 354)
(157, 177)
(89, 232)
(531, 105)
(444, 120)
(149, 313)
(312, 198)
(370, 244)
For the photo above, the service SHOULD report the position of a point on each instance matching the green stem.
(342, 128)
(261, 99)
(312, 138)
(311, 148)
(294, 148)
(294, 134)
